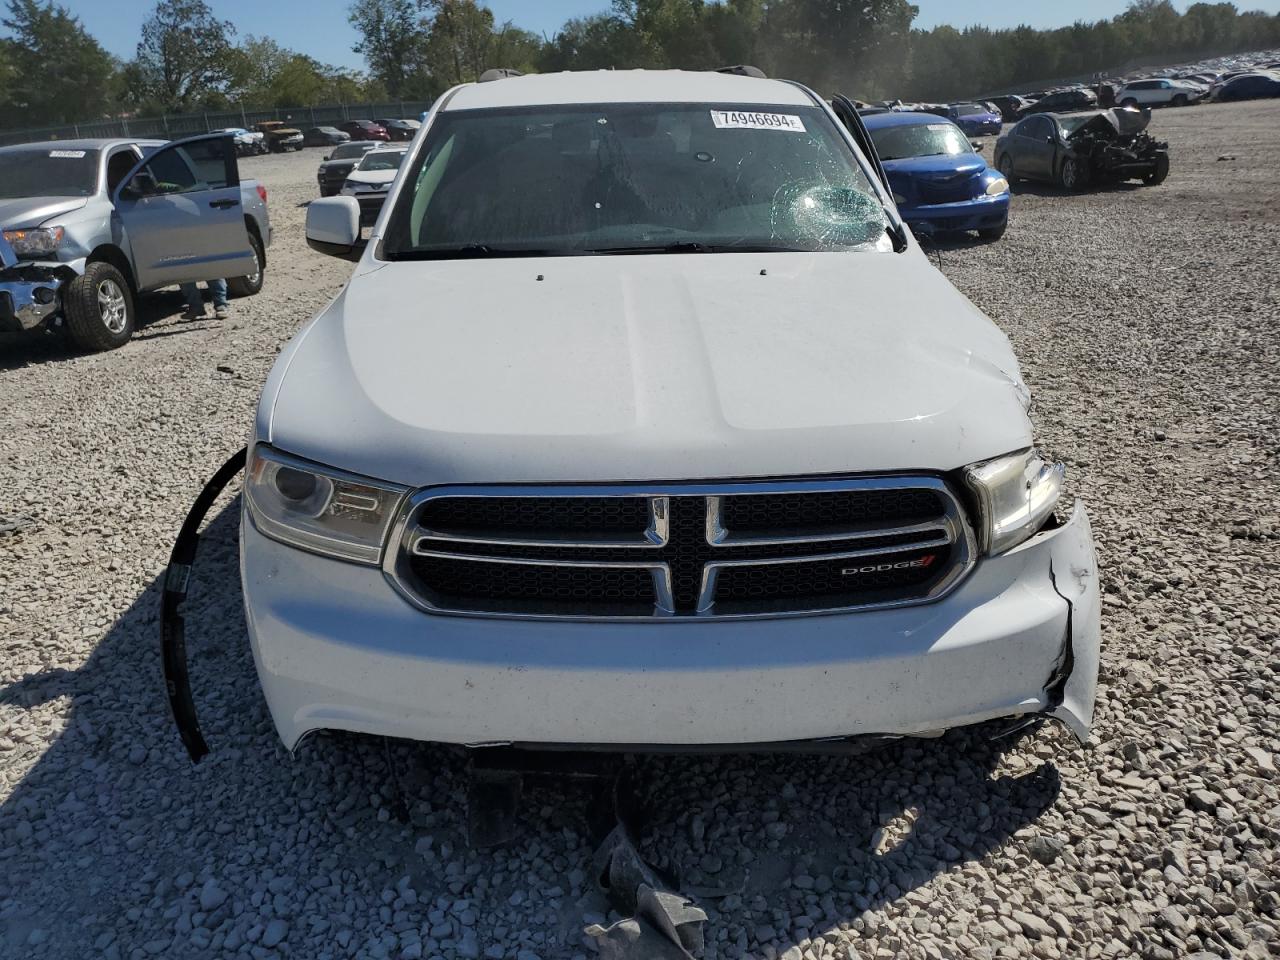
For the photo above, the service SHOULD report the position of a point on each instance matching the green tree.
(51, 71)
(184, 57)
(392, 40)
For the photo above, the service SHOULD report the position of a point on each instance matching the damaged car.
(1075, 150)
(90, 225)
(644, 423)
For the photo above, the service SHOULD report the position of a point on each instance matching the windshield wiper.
(693, 246)
(475, 251)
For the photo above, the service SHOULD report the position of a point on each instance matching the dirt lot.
(1148, 323)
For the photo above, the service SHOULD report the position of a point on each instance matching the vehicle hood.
(379, 178)
(939, 167)
(338, 164)
(662, 367)
(1115, 121)
(33, 211)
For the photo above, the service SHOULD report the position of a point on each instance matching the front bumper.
(337, 648)
(31, 293)
(980, 214)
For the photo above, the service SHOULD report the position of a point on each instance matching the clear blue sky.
(319, 27)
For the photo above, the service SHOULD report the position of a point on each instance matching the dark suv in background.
(364, 130)
(335, 167)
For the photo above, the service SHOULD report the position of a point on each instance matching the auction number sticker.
(741, 120)
(67, 154)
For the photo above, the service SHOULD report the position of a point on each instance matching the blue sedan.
(939, 181)
(975, 119)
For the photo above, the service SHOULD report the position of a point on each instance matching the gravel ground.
(1147, 322)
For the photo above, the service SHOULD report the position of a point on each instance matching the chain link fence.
(171, 127)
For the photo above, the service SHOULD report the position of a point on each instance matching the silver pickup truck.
(88, 225)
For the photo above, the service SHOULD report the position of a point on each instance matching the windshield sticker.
(67, 154)
(738, 120)
(938, 126)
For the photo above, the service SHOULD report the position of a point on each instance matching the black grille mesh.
(780, 511)
(548, 516)
(473, 583)
(826, 581)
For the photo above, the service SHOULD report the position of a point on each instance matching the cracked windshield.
(635, 178)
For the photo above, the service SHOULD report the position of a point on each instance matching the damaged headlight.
(1016, 494)
(317, 508)
(36, 242)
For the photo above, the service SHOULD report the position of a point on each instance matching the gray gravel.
(1148, 324)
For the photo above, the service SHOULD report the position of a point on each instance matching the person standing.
(195, 303)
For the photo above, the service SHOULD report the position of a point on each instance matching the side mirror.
(333, 227)
(141, 184)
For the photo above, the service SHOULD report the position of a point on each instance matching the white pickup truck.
(88, 225)
(643, 422)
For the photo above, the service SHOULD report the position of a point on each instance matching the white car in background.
(1159, 92)
(643, 421)
(371, 179)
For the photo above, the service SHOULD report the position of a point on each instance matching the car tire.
(1074, 175)
(993, 233)
(1128, 102)
(1005, 165)
(1158, 175)
(99, 308)
(1180, 100)
(252, 284)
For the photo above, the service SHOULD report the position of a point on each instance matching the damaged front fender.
(1073, 569)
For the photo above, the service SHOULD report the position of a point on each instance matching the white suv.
(643, 422)
(1163, 92)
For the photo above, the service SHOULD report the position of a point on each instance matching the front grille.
(953, 189)
(681, 551)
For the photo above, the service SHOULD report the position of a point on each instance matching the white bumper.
(337, 648)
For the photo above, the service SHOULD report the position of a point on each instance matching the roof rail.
(498, 73)
(744, 70)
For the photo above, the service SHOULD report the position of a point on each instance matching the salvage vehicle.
(249, 143)
(89, 225)
(279, 138)
(939, 181)
(1010, 106)
(599, 448)
(365, 130)
(335, 167)
(399, 130)
(371, 179)
(1077, 149)
(324, 137)
(1249, 86)
(975, 119)
(1160, 92)
(1063, 101)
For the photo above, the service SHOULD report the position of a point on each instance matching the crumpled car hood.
(33, 211)
(1114, 121)
(663, 367)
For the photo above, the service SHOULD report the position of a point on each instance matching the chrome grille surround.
(949, 531)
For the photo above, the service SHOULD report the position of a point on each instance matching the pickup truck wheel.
(252, 284)
(99, 308)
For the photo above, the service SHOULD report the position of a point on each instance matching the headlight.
(37, 242)
(997, 186)
(319, 509)
(1016, 494)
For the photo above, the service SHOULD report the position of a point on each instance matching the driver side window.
(188, 168)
